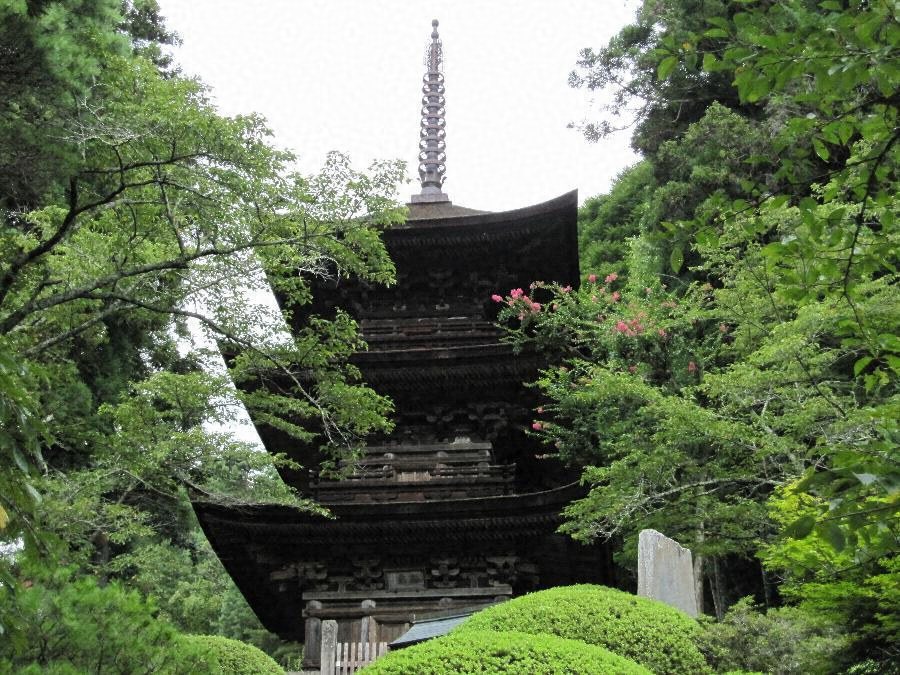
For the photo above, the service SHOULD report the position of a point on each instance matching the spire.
(432, 157)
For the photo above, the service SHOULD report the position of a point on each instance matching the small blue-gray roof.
(427, 629)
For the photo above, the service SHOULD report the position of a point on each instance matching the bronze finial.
(432, 157)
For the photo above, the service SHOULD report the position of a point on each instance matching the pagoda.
(455, 509)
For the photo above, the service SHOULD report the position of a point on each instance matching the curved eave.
(449, 509)
(252, 541)
(563, 203)
(549, 228)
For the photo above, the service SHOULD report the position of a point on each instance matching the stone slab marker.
(666, 572)
(329, 647)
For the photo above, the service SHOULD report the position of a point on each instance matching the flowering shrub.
(627, 400)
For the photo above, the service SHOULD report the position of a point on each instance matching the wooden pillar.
(367, 627)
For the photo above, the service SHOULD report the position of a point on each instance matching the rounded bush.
(507, 652)
(651, 633)
(233, 657)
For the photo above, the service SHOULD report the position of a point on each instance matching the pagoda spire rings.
(432, 144)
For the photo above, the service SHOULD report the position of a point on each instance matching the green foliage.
(230, 657)
(145, 210)
(645, 82)
(237, 621)
(778, 641)
(21, 433)
(134, 218)
(829, 581)
(482, 651)
(73, 625)
(771, 130)
(630, 405)
(186, 582)
(655, 635)
(607, 222)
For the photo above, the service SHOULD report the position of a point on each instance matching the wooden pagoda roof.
(252, 541)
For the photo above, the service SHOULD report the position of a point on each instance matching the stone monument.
(665, 572)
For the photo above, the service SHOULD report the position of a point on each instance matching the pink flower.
(535, 306)
(603, 291)
(592, 278)
(632, 369)
(540, 409)
(621, 327)
(497, 298)
(536, 426)
(692, 367)
(661, 332)
(565, 289)
(611, 278)
(516, 293)
(615, 296)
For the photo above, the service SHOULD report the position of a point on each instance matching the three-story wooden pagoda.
(454, 509)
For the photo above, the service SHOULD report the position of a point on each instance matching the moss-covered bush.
(648, 632)
(507, 652)
(232, 657)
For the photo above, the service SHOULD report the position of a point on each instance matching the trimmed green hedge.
(508, 652)
(651, 633)
(233, 657)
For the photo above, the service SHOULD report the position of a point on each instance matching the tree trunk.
(698, 573)
(767, 588)
(716, 587)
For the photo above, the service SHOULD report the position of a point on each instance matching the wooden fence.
(351, 656)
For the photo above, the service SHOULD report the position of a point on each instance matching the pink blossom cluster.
(592, 278)
(630, 328)
(517, 294)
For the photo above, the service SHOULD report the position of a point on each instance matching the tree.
(762, 355)
(171, 211)
(660, 109)
(68, 624)
(131, 208)
(835, 65)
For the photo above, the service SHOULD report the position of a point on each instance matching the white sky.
(347, 75)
